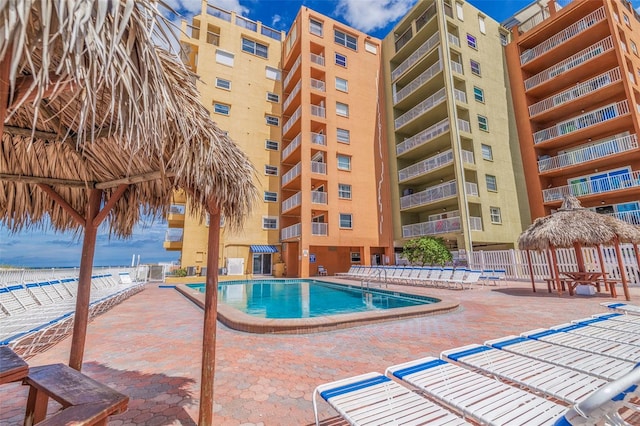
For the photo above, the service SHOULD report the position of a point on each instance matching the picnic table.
(596, 279)
(12, 367)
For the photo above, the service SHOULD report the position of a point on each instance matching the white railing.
(418, 81)
(631, 216)
(291, 72)
(564, 35)
(291, 232)
(425, 48)
(318, 228)
(317, 84)
(432, 227)
(429, 195)
(218, 13)
(291, 202)
(317, 59)
(173, 235)
(475, 223)
(534, 20)
(589, 153)
(426, 166)
(318, 139)
(318, 197)
(318, 111)
(594, 186)
(423, 137)
(453, 39)
(318, 167)
(468, 157)
(464, 125)
(460, 95)
(590, 52)
(578, 91)
(588, 119)
(292, 120)
(456, 67)
(471, 188)
(424, 106)
(295, 142)
(291, 95)
(292, 174)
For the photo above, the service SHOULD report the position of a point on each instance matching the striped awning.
(263, 249)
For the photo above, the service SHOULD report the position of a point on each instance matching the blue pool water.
(307, 298)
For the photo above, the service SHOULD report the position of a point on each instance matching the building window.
(343, 136)
(344, 191)
(370, 47)
(255, 48)
(270, 170)
(269, 222)
(221, 83)
(634, 48)
(221, 108)
(475, 67)
(345, 39)
(504, 38)
(341, 60)
(346, 220)
(272, 97)
(315, 27)
(483, 123)
(483, 28)
(478, 94)
(344, 162)
(224, 58)
(342, 84)
(355, 257)
(459, 11)
(272, 121)
(496, 216)
(273, 73)
(342, 109)
(492, 184)
(271, 145)
(626, 19)
(270, 197)
(472, 42)
(487, 152)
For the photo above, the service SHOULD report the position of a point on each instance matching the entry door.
(261, 263)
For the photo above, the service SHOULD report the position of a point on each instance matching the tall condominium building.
(334, 187)
(238, 62)
(455, 167)
(574, 75)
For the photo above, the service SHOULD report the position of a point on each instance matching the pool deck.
(149, 347)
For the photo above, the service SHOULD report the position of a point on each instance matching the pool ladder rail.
(366, 281)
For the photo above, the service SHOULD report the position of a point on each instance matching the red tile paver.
(149, 347)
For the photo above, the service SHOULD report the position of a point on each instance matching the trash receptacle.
(278, 270)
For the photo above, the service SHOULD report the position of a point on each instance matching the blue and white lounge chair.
(623, 307)
(608, 322)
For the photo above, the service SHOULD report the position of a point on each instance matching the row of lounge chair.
(585, 372)
(428, 276)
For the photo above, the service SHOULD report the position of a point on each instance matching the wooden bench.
(551, 282)
(84, 400)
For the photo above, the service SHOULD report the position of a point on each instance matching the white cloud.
(370, 15)
(232, 5)
(275, 20)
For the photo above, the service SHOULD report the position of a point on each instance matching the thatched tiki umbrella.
(98, 124)
(575, 226)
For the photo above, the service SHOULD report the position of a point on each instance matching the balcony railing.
(590, 52)
(460, 96)
(423, 137)
(457, 67)
(432, 227)
(631, 216)
(292, 120)
(318, 167)
(426, 16)
(416, 56)
(564, 35)
(582, 121)
(292, 174)
(246, 23)
(594, 186)
(582, 89)
(295, 142)
(291, 202)
(291, 95)
(177, 209)
(463, 125)
(426, 166)
(291, 72)
(318, 139)
(318, 228)
(318, 197)
(317, 59)
(475, 223)
(589, 153)
(471, 188)
(429, 195)
(418, 81)
(534, 20)
(291, 232)
(317, 84)
(468, 157)
(318, 111)
(453, 39)
(424, 106)
(173, 235)
(218, 13)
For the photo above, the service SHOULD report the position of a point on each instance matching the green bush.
(182, 272)
(426, 251)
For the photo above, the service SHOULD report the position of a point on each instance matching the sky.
(46, 248)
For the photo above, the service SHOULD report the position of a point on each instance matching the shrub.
(427, 251)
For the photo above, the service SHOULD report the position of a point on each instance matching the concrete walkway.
(149, 347)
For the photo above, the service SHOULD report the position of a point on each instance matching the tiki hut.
(574, 226)
(101, 124)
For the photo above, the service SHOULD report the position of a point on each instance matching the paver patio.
(149, 347)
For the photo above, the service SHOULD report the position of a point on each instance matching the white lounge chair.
(610, 324)
(623, 307)
(600, 333)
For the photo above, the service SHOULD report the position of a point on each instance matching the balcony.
(534, 20)
(173, 239)
(425, 48)
(292, 120)
(429, 195)
(464, 125)
(442, 226)
(424, 106)
(317, 59)
(582, 89)
(417, 82)
(456, 67)
(589, 153)
(317, 85)
(292, 202)
(318, 111)
(291, 72)
(295, 143)
(632, 216)
(579, 58)
(563, 36)
(175, 218)
(423, 137)
(467, 157)
(318, 228)
(471, 188)
(291, 232)
(318, 197)
(453, 39)
(291, 96)
(292, 174)
(594, 186)
(218, 13)
(583, 121)
(426, 166)
(460, 96)
(475, 223)
(318, 139)
(318, 167)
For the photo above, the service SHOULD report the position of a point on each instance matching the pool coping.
(237, 320)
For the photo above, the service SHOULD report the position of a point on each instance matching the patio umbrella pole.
(579, 257)
(533, 282)
(623, 275)
(210, 317)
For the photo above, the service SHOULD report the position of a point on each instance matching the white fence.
(14, 276)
